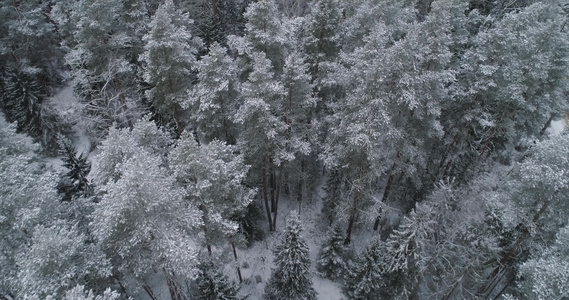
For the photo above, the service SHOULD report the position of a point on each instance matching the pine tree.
(291, 277)
(30, 41)
(322, 42)
(24, 102)
(58, 258)
(545, 276)
(79, 293)
(364, 280)
(333, 260)
(29, 198)
(214, 99)
(104, 45)
(74, 183)
(212, 284)
(142, 218)
(333, 189)
(211, 177)
(169, 59)
(264, 32)
(262, 132)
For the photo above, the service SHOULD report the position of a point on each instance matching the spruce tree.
(23, 102)
(332, 260)
(74, 183)
(364, 280)
(215, 98)
(169, 59)
(212, 284)
(291, 277)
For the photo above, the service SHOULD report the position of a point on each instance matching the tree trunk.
(278, 192)
(266, 196)
(301, 185)
(172, 287)
(179, 128)
(273, 183)
(148, 291)
(494, 278)
(546, 125)
(214, 8)
(352, 219)
(236, 263)
(117, 278)
(123, 100)
(204, 219)
(385, 195)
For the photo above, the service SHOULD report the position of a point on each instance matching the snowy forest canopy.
(283, 149)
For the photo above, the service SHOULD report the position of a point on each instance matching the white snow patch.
(556, 127)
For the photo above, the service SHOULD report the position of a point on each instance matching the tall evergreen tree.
(505, 92)
(142, 220)
(291, 277)
(169, 59)
(333, 257)
(58, 259)
(262, 134)
(74, 183)
(103, 50)
(29, 198)
(214, 99)
(264, 32)
(211, 177)
(364, 280)
(24, 102)
(212, 284)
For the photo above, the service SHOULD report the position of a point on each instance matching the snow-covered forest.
(284, 149)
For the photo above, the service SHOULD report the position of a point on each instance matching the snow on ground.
(259, 258)
(69, 109)
(556, 127)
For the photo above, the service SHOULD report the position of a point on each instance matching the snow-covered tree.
(297, 111)
(211, 179)
(443, 248)
(212, 284)
(545, 276)
(28, 198)
(264, 32)
(333, 257)
(262, 132)
(364, 279)
(58, 259)
(29, 40)
(532, 205)
(121, 144)
(321, 42)
(169, 59)
(24, 103)
(103, 50)
(291, 277)
(79, 293)
(214, 100)
(74, 183)
(143, 221)
(509, 86)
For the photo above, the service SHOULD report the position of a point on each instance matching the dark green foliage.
(321, 42)
(22, 99)
(74, 183)
(332, 260)
(365, 279)
(248, 226)
(333, 190)
(291, 277)
(212, 284)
